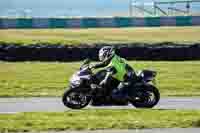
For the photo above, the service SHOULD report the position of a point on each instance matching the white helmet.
(106, 52)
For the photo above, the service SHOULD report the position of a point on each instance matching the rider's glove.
(91, 66)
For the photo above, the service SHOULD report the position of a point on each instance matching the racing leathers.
(117, 68)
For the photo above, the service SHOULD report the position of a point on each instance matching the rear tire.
(147, 102)
(77, 93)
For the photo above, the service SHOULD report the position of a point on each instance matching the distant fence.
(98, 22)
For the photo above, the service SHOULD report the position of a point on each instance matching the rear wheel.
(75, 99)
(145, 97)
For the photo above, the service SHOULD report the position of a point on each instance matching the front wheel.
(146, 96)
(75, 99)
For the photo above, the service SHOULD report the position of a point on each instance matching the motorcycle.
(84, 89)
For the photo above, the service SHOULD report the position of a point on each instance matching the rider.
(116, 67)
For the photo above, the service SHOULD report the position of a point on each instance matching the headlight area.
(75, 80)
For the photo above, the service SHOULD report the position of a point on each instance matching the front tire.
(75, 99)
(146, 101)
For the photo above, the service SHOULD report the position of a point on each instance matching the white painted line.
(9, 112)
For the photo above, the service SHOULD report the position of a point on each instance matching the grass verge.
(101, 35)
(31, 79)
(99, 119)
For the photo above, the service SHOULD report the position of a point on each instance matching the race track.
(13, 105)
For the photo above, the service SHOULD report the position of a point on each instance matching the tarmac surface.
(14, 105)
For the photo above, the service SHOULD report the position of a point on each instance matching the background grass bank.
(101, 35)
(50, 79)
(99, 119)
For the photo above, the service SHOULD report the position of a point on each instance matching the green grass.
(50, 79)
(101, 35)
(99, 119)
